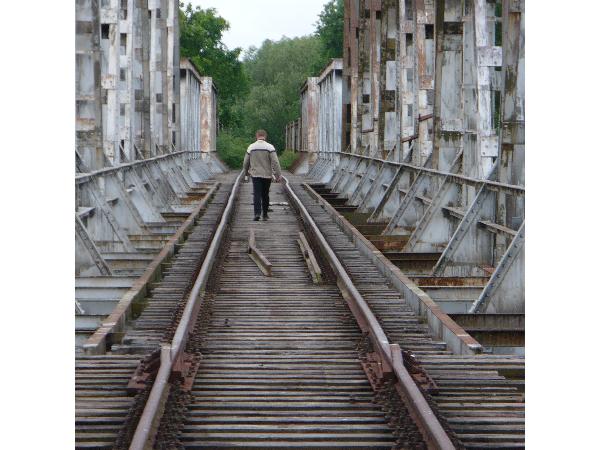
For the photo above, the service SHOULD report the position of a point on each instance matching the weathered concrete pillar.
(158, 76)
(374, 26)
(128, 126)
(310, 121)
(510, 210)
(405, 78)
(143, 98)
(330, 107)
(480, 59)
(172, 29)
(208, 116)
(448, 111)
(386, 89)
(164, 85)
(155, 93)
(111, 49)
(351, 54)
(487, 58)
(88, 92)
(136, 76)
(424, 19)
(190, 104)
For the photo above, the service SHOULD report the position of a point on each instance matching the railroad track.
(159, 318)
(247, 360)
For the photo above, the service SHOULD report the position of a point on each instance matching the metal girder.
(350, 177)
(182, 185)
(100, 201)
(167, 184)
(417, 188)
(78, 308)
(505, 291)
(348, 171)
(114, 186)
(91, 248)
(316, 169)
(311, 173)
(156, 186)
(378, 212)
(339, 173)
(364, 179)
(149, 213)
(330, 162)
(468, 222)
(184, 175)
(432, 222)
(510, 189)
(173, 183)
(375, 186)
(115, 323)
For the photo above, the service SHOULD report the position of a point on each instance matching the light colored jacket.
(261, 160)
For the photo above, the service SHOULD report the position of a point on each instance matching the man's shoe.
(256, 218)
(265, 217)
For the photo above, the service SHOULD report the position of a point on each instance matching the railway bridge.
(381, 306)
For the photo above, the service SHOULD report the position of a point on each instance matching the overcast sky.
(253, 21)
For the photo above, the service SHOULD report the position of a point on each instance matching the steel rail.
(511, 189)
(391, 355)
(171, 354)
(116, 319)
(84, 177)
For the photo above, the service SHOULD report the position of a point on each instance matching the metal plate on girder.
(489, 56)
(489, 146)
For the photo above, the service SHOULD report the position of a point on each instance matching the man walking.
(261, 163)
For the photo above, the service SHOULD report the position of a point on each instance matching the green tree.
(276, 72)
(330, 28)
(201, 34)
(263, 90)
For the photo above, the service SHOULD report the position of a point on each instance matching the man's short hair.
(262, 133)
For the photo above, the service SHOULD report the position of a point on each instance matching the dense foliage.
(201, 33)
(232, 150)
(330, 28)
(276, 72)
(263, 89)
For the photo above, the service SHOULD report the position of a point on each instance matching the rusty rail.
(172, 355)
(391, 360)
(115, 322)
(440, 324)
(390, 354)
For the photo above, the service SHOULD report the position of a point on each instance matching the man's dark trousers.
(261, 195)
